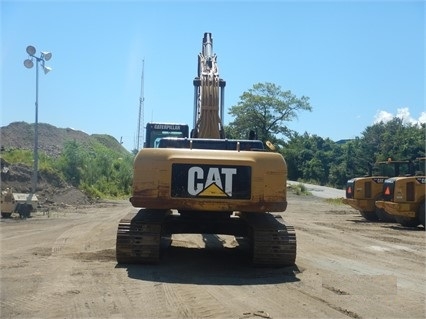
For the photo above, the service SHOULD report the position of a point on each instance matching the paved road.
(321, 191)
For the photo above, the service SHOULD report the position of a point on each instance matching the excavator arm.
(208, 94)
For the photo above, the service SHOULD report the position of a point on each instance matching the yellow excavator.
(208, 184)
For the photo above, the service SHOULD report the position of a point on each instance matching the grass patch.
(299, 189)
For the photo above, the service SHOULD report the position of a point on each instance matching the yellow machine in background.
(208, 184)
(21, 203)
(363, 192)
(404, 197)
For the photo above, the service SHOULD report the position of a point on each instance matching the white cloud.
(402, 113)
(422, 118)
(382, 116)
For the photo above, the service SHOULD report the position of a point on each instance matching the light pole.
(44, 56)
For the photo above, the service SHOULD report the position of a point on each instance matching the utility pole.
(141, 112)
(44, 56)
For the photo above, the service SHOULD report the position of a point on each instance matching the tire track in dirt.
(66, 268)
(58, 285)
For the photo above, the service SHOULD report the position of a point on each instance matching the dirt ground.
(61, 264)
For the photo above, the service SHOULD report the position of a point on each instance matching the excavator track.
(273, 243)
(139, 237)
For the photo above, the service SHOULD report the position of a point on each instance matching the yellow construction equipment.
(363, 192)
(208, 184)
(21, 203)
(404, 197)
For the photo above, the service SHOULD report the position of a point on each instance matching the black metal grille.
(410, 192)
(367, 189)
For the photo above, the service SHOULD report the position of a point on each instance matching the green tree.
(309, 158)
(392, 139)
(265, 109)
(98, 170)
(123, 173)
(71, 162)
(344, 163)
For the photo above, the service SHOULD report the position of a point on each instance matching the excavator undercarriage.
(140, 234)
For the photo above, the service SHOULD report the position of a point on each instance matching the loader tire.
(407, 221)
(384, 216)
(421, 214)
(370, 216)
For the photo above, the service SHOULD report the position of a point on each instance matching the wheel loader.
(404, 197)
(363, 192)
(208, 184)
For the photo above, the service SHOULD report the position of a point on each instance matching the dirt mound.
(51, 189)
(51, 140)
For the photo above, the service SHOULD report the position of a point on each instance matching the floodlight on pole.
(46, 69)
(28, 63)
(47, 55)
(31, 50)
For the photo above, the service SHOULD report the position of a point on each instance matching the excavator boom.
(209, 94)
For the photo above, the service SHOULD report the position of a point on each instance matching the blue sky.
(357, 61)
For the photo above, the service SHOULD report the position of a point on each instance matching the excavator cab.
(156, 131)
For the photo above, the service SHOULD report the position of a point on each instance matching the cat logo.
(379, 180)
(219, 181)
(421, 180)
(211, 185)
